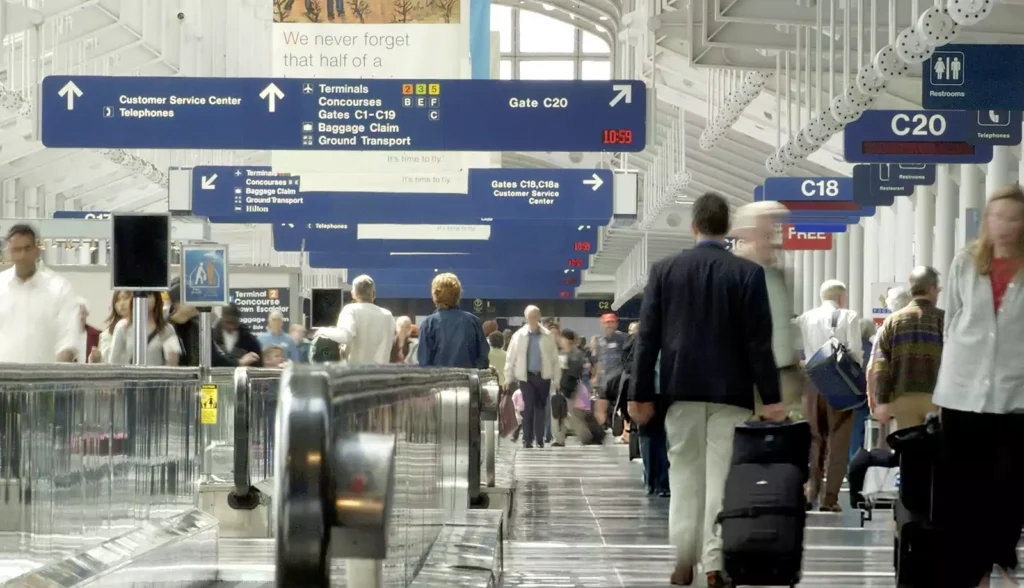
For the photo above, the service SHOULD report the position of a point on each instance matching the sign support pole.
(205, 341)
(140, 319)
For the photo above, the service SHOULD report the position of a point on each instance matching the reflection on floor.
(581, 519)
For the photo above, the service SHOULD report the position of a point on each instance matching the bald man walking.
(533, 362)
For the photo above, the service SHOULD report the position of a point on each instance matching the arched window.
(535, 46)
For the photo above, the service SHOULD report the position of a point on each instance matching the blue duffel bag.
(836, 375)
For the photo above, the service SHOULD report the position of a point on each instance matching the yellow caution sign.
(208, 404)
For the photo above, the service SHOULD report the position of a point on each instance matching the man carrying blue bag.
(831, 338)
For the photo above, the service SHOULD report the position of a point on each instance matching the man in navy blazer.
(706, 311)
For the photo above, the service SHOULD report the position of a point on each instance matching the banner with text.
(255, 304)
(373, 39)
(879, 294)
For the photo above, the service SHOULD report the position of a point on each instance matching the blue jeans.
(654, 452)
(335, 6)
(860, 419)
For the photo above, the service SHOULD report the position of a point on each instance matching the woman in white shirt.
(120, 308)
(980, 392)
(163, 348)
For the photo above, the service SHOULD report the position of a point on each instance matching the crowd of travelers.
(718, 344)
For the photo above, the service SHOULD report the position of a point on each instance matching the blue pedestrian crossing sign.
(205, 275)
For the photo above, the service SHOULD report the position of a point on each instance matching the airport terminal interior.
(228, 172)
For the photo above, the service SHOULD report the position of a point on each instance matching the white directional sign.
(595, 182)
(70, 91)
(272, 94)
(624, 92)
(209, 182)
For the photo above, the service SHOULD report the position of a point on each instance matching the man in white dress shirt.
(39, 323)
(366, 330)
(831, 428)
(39, 311)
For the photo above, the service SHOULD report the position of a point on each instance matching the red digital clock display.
(575, 262)
(581, 246)
(565, 294)
(569, 281)
(617, 136)
(935, 148)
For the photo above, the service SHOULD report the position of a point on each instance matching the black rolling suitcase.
(595, 430)
(919, 536)
(764, 508)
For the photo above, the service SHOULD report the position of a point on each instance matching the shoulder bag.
(836, 375)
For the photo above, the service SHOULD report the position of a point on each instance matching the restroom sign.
(794, 240)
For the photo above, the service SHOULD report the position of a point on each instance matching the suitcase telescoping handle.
(792, 417)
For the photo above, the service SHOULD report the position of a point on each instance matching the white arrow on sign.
(70, 91)
(272, 94)
(623, 92)
(596, 182)
(209, 183)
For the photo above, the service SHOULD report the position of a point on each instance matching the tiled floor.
(582, 520)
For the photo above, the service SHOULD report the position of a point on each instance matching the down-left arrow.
(209, 183)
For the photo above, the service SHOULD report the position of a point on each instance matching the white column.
(810, 294)
(972, 195)
(855, 262)
(818, 273)
(904, 251)
(870, 250)
(841, 245)
(830, 261)
(797, 287)
(924, 225)
(998, 169)
(945, 220)
(886, 243)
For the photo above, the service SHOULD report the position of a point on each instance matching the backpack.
(324, 350)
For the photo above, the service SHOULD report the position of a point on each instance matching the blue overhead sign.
(348, 115)
(974, 77)
(205, 282)
(819, 228)
(509, 277)
(453, 262)
(912, 174)
(878, 185)
(521, 291)
(497, 238)
(258, 194)
(920, 136)
(808, 189)
(83, 214)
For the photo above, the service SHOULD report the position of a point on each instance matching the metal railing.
(89, 452)
(358, 447)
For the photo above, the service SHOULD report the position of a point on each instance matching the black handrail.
(245, 496)
(313, 403)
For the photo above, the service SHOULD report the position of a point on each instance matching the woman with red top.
(980, 391)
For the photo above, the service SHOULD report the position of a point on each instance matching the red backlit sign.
(792, 240)
(617, 137)
(575, 262)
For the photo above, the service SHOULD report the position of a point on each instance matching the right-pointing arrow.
(595, 182)
(622, 92)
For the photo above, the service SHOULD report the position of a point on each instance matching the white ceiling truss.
(692, 54)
